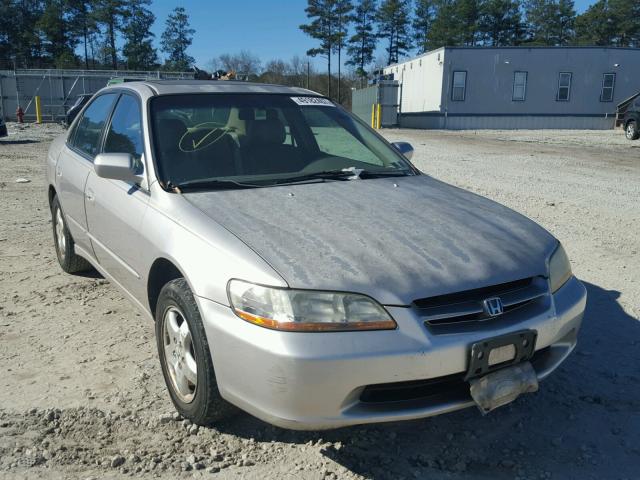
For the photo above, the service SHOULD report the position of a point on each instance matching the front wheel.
(631, 130)
(185, 357)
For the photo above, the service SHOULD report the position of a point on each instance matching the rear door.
(115, 208)
(76, 162)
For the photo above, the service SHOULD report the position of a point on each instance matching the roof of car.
(166, 87)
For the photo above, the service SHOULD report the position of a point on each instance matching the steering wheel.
(201, 136)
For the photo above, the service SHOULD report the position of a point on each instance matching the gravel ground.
(82, 396)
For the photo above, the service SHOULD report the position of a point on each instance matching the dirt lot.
(81, 395)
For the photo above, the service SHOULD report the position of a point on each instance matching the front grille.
(467, 306)
(419, 389)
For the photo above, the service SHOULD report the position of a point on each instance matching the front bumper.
(314, 381)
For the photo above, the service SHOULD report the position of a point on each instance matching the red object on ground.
(20, 114)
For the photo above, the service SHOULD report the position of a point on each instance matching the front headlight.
(306, 310)
(559, 269)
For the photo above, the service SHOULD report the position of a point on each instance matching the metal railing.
(58, 89)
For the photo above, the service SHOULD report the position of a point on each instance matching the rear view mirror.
(404, 148)
(118, 166)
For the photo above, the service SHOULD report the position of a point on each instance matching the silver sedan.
(298, 266)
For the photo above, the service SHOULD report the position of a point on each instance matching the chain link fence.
(58, 89)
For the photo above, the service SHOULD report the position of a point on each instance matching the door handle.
(89, 195)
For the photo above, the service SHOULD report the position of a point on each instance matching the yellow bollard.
(38, 109)
(379, 122)
(373, 115)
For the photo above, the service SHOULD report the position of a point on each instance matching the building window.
(458, 90)
(564, 86)
(608, 84)
(519, 86)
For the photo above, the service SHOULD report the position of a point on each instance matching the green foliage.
(362, 44)
(55, 28)
(501, 23)
(550, 22)
(329, 21)
(175, 40)
(110, 14)
(424, 16)
(138, 49)
(394, 26)
(610, 23)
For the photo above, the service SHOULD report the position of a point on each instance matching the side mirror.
(118, 166)
(404, 148)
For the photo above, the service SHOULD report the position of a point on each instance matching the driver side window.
(89, 131)
(125, 131)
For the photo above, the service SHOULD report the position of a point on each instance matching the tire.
(180, 349)
(631, 130)
(64, 244)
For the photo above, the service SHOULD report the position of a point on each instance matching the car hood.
(394, 239)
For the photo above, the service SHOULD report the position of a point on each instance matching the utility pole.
(308, 73)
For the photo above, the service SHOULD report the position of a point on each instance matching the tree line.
(401, 26)
(85, 34)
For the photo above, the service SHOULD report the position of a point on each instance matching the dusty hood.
(396, 244)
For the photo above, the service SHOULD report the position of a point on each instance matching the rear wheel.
(631, 130)
(185, 357)
(65, 251)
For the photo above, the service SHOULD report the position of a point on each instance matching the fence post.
(379, 122)
(38, 109)
(373, 115)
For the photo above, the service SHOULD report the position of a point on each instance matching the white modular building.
(515, 87)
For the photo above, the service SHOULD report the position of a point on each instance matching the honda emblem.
(493, 306)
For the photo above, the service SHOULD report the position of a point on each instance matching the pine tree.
(501, 22)
(550, 22)
(138, 49)
(444, 30)
(565, 22)
(175, 40)
(322, 28)
(610, 23)
(424, 16)
(393, 25)
(56, 30)
(83, 24)
(467, 16)
(19, 35)
(342, 15)
(111, 14)
(362, 45)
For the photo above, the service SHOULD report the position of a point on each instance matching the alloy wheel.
(179, 354)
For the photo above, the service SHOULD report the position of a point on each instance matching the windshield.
(261, 140)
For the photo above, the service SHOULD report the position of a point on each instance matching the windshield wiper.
(214, 184)
(350, 173)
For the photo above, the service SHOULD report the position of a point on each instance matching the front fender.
(206, 253)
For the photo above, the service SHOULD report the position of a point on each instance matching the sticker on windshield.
(306, 101)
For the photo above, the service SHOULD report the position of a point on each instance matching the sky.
(267, 28)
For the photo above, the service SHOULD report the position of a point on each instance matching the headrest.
(269, 131)
(170, 127)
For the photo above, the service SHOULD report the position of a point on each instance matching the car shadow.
(583, 422)
(9, 141)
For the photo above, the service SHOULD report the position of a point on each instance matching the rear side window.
(125, 131)
(89, 130)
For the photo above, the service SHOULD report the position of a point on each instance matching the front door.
(115, 208)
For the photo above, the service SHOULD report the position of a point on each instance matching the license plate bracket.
(524, 343)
